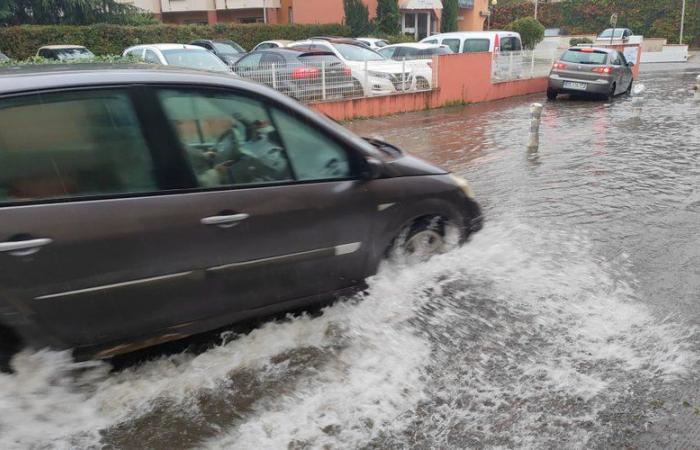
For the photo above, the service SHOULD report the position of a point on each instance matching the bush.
(388, 17)
(105, 59)
(23, 41)
(576, 41)
(531, 31)
(356, 17)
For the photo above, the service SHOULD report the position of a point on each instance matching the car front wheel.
(425, 238)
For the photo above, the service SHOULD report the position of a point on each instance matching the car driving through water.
(142, 204)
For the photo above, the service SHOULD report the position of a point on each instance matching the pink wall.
(463, 77)
(325, 11)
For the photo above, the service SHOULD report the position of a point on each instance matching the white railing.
(330, 79)
(522, 65)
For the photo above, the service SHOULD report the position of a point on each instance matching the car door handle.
(225, 221)
(24, 248)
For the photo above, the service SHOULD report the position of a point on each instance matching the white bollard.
(637, 103)
(697, 89)
(535, 117)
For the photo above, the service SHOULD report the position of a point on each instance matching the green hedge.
(23, 41)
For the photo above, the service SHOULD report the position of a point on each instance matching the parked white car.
(478, 41)
(414, 51)
(373, 43)
(382, 76)
(265, 45)
(181, 55)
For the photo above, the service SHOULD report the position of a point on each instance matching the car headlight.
(463, 185)
(372, 73)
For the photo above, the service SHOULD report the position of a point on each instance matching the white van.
(478, 41)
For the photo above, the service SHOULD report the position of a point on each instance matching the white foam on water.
(491, 341)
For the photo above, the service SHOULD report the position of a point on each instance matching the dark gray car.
(144, 204)
(601, 72)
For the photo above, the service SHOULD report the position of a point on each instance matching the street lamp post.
(537, 3)
(492, 5)
(680, 40)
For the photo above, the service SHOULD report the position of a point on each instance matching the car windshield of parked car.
(609, 33)
(227, 49)
(357, 53)
(195, 59)
(581, 57)
(70, 54)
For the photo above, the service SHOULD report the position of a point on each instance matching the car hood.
(398, 163)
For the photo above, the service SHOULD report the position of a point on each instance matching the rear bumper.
(595, 87)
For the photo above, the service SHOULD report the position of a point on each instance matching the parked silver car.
(602, 72)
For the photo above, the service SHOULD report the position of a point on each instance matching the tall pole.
(537, 2)
(264, 12)
(680, 40)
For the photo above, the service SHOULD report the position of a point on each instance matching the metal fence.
(523, 65)
(334, 80)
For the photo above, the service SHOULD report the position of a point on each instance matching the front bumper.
(597, 87)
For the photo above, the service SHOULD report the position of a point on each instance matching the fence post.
(367, 87)
(510, 66)
(323, 80)
(697, 89)
(274, 76)
(532, 64)
(403, 73)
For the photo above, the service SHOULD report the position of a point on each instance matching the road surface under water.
(571, 321)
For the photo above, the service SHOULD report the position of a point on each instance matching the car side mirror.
(630, 64)
(373, 169)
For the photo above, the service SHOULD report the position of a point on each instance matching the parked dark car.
(228, 51)
(3, 57)
(303, 75)
(143, 204)
(65, 52)
(601, 72)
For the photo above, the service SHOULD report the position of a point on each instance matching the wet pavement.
(571, 321)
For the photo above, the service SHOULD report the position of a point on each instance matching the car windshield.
(228, 49)
(381, 44)
(357, 53)
(73, 53)
(609, 33)
(195, 59)
(581, 57)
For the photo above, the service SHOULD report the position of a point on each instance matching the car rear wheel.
(611, 93)
(357, 89)
(422, 84)
(552, 94)
(629, 88)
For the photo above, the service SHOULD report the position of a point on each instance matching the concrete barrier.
(461, 78)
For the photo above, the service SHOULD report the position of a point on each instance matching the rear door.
(92, 244)
(284, 212)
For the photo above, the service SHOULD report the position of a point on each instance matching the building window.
(290, 15)
(410, 20)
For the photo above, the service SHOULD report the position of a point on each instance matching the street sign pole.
(680, 40)
(537, 2)
(613, 22)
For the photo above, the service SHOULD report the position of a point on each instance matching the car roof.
(168, 47)
(17, 79)
(276, 41)
(474, 34)
(336, 40)
(371, 39)
(418, 45)
(594, 49)
(61, 47)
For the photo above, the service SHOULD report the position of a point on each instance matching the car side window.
(430, 41)
(229, 139)
(249, 62)
(388, 53)
(623, 60)
(264, 46)
(453, 44)
(314, 156)
(268, 59)
(510, 44)
(151, 57)
(72, 144)
(615, 59)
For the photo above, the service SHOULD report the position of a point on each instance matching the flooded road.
(571, 321)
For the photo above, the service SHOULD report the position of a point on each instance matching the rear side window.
(74, 144)
(314, 155)
(510, 44)
(151, 57)
(580, 57)
(453, 44)
(476, 45)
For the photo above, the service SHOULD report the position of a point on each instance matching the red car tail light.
(301, 73)
(605, 70)
(559, 66)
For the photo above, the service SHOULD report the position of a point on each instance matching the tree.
(450, 13)
(388, 17)
(356, 17)
(531, 31)
(70, 12)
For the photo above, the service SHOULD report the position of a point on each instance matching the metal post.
(697, 89)
(264, 12)
(532, 64)
(403, 74)
(680, 40)
(274, 76)
(367, 87)
(537, 2)
(535, 117)
(323, 80)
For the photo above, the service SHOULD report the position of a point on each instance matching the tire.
(420, 242)
(422, 84)
(552, 94)
(9, 345)
(357, 89)
(629, 88)
(611, 94)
